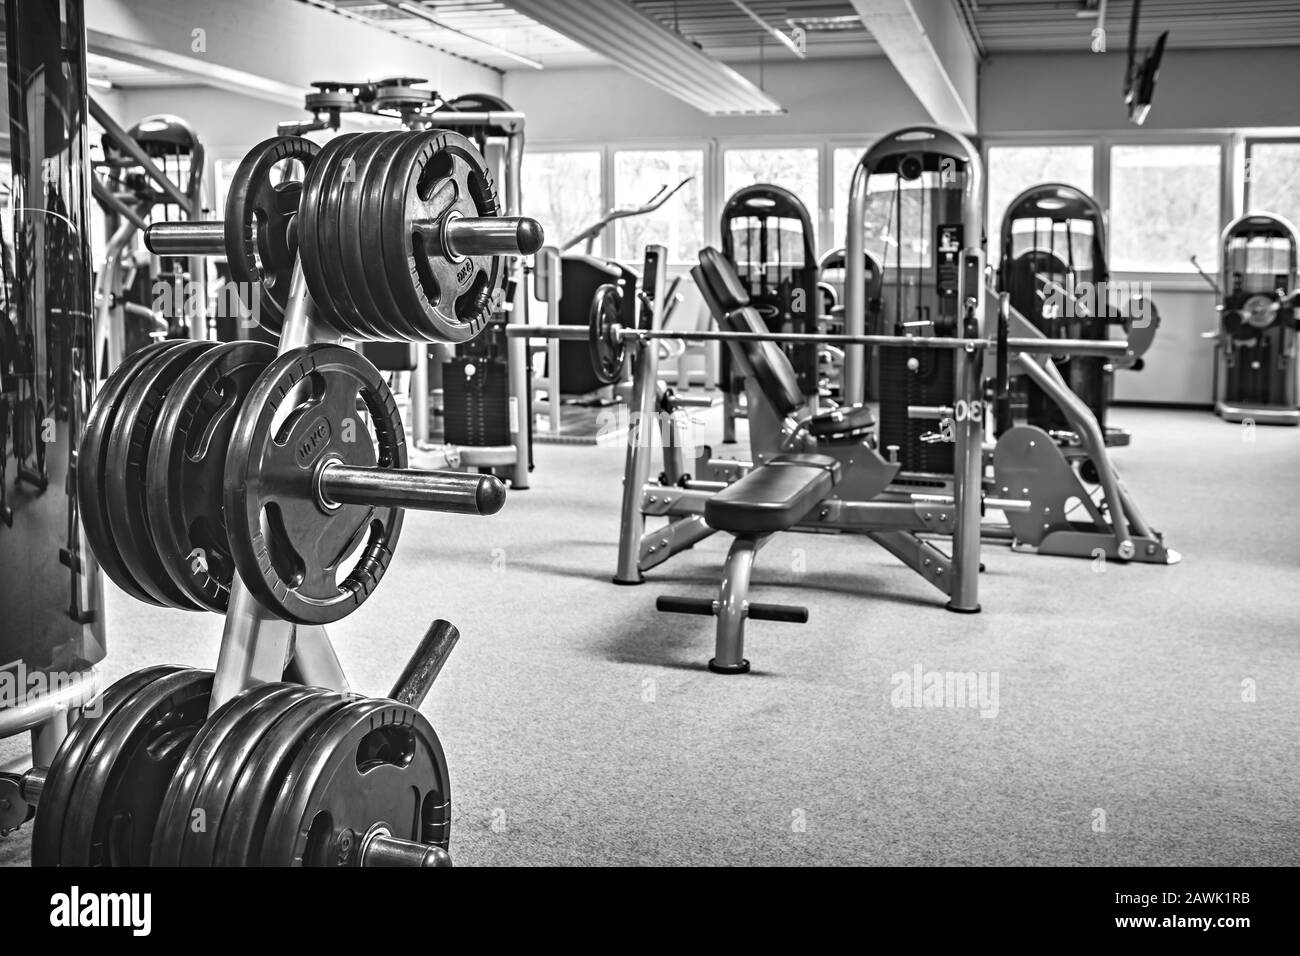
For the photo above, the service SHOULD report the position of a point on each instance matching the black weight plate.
(186, 466)
(288, 547)
(128, 769)
(257, 790)
(371, 234)
(375, 762)
(607, 353)
(346, 170)
(47, 831)
(309, 250)
(175, 817)
(352, 261)
(446, 300)
(92, 454)
(126, 487)
(259, 243)
(212, 799)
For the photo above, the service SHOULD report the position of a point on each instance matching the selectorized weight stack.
(1259, 322)
(270, 485)
(1054, 269)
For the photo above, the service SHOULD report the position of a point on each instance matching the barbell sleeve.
(383, 849)
(450, 492)
(493, 236)
(206, 238)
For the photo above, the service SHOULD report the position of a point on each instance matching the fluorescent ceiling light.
(423, 13)
(779, 34)
(98, 83)
(643, 47)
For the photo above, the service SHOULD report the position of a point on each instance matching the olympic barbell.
(618, 335)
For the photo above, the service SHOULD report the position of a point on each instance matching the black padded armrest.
(848, 421)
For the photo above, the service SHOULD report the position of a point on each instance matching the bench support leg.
(732, 607)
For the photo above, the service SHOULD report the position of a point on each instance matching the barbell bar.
(620, 334)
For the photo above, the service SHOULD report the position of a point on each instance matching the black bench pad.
(774, 496)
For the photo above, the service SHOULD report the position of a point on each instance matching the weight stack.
(476, 407)
(930, 384)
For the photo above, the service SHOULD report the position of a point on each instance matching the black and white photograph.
(656, 434)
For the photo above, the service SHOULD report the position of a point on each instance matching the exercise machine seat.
(774, 496)
(850, 423)
(764, 361)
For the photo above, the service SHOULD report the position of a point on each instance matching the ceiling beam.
(931, 49)
(269, 49)
(641, 45)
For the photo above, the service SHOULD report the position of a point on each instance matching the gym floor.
(1144, 715)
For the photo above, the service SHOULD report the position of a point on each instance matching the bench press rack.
(689, 500)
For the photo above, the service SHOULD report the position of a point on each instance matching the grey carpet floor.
(582, 728)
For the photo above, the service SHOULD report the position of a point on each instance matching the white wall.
(1196, 89)
(605, 104)
(225, 122)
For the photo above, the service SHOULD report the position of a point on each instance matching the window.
(1164, 207)
(792, 169)
(679, 223)
(1013, 169)
(1273, 179)
(562, 191)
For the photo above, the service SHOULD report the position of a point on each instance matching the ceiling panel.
(1027, 26)
(486, 20)
(724, 31)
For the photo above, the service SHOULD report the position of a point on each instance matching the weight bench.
(779, 492)
(773, 497)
